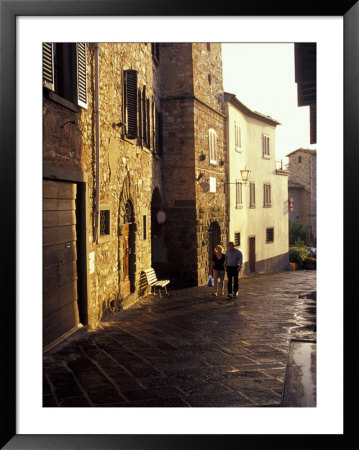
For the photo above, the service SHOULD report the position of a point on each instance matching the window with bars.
(239, 192)
(212, 137)
(237, 239)
(104, 222)
(267, 196)
(64, 72)
(266, 146)
(252, 195)
(237, 137)
(269, 235)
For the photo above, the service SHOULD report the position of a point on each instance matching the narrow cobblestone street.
(189, 349)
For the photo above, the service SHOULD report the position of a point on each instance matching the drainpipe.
(97, 137)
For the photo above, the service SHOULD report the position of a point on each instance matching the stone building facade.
(302, 188)
(105, 150)
(193, 132)
(258, 208)
(133, 173)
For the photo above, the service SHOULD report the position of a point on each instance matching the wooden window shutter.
(81, 74)
(144, 116)
(153, 121)
(140, 133)
(159, 133)
(48, 78)
(148, 123)
(130, 79)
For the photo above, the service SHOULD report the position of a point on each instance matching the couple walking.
(231, 262)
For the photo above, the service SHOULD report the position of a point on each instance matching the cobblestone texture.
(188, 348)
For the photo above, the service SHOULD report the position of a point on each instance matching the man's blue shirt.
(234, 259)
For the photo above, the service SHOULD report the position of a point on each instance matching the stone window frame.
(212, 146)
(105, 207)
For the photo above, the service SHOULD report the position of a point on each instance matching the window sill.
(267, 206)
(266, 156)
(239, 149)
(104, 238)
(63, 102)
(129, 141)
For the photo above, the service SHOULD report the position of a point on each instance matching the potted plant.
(297, 256)
(309, 263)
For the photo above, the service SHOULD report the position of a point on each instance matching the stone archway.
(127, 239)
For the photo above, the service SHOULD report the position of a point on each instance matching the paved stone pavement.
(189, 348)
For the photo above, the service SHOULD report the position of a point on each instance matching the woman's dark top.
(218, 263)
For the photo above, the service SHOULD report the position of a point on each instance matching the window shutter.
(159, 147)
(131, 103)
(81, 74)
(48, 79)
(140, 122)
(148, 115)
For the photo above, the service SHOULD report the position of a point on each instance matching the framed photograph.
(24, 26)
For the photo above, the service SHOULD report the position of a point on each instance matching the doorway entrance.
(61, 312)
(252, 254)
(128, 250)
(214, 238)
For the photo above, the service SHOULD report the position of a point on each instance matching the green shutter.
(81, 74)
(48, 79)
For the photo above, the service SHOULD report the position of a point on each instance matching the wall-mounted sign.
(212, 184)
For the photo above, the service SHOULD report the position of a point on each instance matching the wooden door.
(252, 254)
(60, 298)
(126, 251)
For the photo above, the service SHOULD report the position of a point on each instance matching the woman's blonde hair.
(220, 247)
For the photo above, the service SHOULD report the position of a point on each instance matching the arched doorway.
(214, 238)
(128, 249)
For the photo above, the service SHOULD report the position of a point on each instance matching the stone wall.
(128, 171)
(192, 103)
(303, 172)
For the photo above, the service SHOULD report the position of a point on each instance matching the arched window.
(128, 214)
(212, 139)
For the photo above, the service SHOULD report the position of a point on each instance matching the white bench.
(154, 283)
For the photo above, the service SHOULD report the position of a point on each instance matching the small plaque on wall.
(212, 184)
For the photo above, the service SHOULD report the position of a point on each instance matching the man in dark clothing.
(233, 265)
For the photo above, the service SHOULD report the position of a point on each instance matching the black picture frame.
(9, 10)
